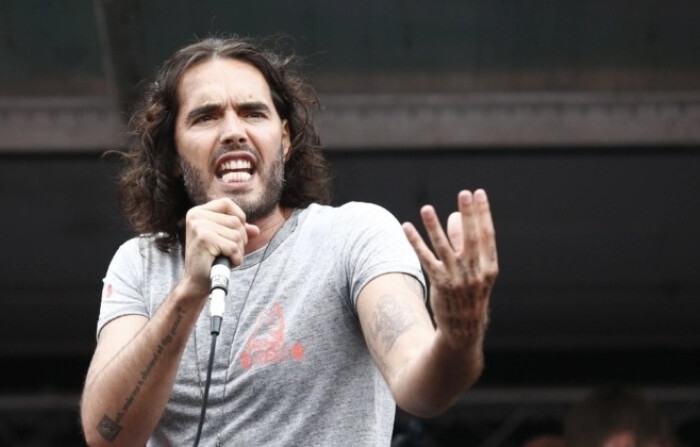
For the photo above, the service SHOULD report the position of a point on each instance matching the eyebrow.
(201, 110)
(253, 105)
(213, 107)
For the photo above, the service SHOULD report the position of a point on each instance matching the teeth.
(235, 164)
(236, 171)
(236, 176)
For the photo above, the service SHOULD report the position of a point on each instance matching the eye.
(203, 118)
(256, 114)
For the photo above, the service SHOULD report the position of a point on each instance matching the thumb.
(454, 229)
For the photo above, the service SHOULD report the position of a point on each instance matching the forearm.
(426, 368)
(437, 376)
(462, 271)
(125, 396)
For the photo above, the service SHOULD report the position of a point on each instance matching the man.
(326, 327)
(617, 416)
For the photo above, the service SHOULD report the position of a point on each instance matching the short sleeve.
(375, 244)
(123, 285)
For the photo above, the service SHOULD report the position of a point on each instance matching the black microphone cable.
(220, 273)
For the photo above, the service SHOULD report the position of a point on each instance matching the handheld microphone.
(219, 276)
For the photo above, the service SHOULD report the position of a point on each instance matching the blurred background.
(579, 118)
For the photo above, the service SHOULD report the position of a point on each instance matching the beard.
(272, 180)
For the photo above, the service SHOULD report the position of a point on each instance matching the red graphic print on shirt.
(266, 344)
(108, 291)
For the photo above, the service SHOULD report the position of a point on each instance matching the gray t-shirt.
(291, 367)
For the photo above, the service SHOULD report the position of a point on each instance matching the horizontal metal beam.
(59, 124)
(400, 121)
(40, 401)
(482, 396)
(510, 120)
(477, 398)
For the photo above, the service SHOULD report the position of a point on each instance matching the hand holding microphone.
(217, 227)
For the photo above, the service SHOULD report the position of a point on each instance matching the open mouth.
(234, 171)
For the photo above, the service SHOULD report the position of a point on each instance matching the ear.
(286, 140)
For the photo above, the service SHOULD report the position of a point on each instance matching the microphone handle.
(220, 273)
(219, 276)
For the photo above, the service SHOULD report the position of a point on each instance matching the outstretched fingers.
(462, 265)
(468, 250)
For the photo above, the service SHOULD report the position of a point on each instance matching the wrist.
(451, 349)
(190, 293)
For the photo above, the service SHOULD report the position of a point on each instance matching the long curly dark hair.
(154, 200)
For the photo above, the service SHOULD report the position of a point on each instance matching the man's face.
(229, 137)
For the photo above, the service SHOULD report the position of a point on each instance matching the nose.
(233, 132)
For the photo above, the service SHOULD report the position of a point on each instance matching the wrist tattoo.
(110, 428)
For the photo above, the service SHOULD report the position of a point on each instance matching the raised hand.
(462, 269)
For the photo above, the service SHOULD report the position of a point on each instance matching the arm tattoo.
(110, 428)
(390, 321)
